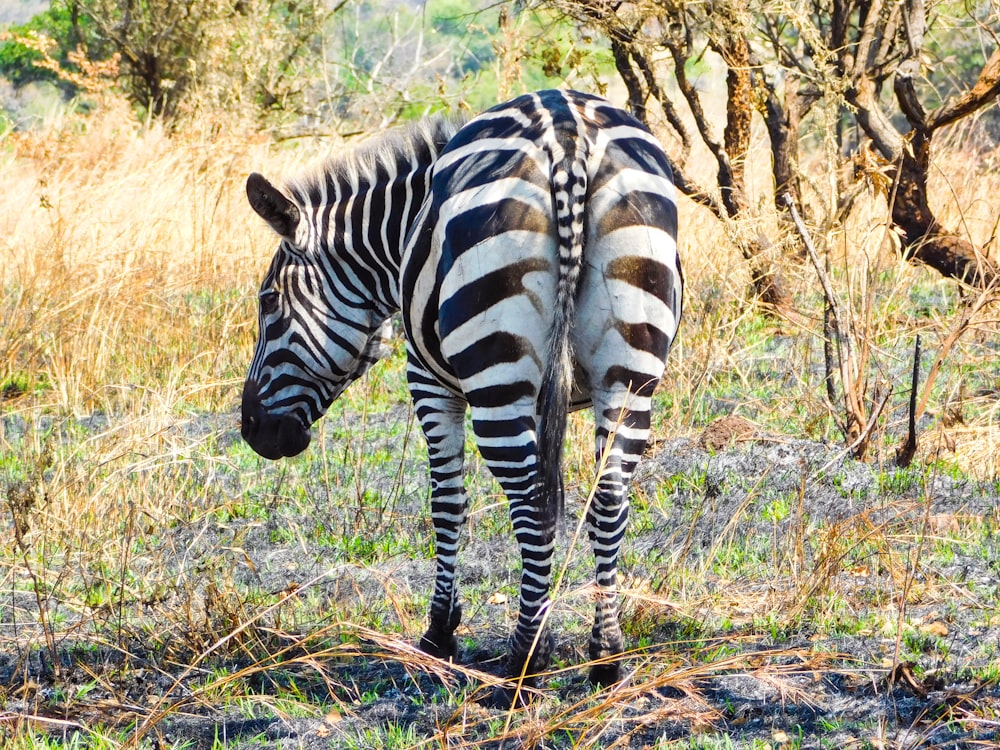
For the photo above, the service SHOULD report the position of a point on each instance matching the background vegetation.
(153, 569)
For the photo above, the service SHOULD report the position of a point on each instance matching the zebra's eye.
(268, 301)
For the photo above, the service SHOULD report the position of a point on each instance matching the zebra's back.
(480, 277)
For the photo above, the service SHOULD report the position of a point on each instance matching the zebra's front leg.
(441, 417)
(621, 439)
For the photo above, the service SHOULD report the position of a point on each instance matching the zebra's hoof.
(439, 645)
(439, 640)
(605, 675)
(506, 697)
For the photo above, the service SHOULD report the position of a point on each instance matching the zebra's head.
(312, 341)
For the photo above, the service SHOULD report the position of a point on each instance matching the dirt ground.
(689, 503)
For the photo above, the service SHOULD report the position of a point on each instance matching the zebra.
(532, 253)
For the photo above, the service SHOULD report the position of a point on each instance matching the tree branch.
(669, 110)
(871, 15)
(987, 87)
(636, 98)
(725, 171)
(872, 119)
(906, 95)
(625, 52)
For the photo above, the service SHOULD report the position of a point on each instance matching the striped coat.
(532, 254)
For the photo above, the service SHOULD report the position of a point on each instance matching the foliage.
(180, 57)
(65, 26)
(183, 58)
(388, 64)
(957, 46)
(363, 67)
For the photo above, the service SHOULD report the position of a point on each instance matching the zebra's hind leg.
(441, 417)
(621, 438)
(531, 643)
(509, 449)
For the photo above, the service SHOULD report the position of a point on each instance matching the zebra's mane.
(392, 152)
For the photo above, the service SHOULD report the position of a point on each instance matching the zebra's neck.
(361, 204)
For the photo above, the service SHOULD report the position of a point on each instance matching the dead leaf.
(937, 628)
(943, 523)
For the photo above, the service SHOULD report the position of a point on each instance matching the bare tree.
(639, 34)
(857, 49)
(862, 58)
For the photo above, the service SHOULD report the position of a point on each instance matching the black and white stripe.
(538, 273)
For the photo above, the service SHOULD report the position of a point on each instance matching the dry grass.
(108, 235)
(130, 265)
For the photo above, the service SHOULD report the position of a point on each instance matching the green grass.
(391, 736)
(143, 544)
(318, 504)
(97, 738)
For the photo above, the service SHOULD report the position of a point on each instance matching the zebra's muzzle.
(272, 436)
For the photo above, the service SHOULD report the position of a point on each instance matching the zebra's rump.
(481, 272)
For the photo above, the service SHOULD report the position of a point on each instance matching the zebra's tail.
(569, 193)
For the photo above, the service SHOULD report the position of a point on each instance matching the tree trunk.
(765, 276)
(924, 238)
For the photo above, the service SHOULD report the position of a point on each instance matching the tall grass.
(130, 263)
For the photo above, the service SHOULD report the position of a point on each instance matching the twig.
(856, 427)
(988, 296)
(906, 451)
(824, 279)
(877, 409)
(828, 364)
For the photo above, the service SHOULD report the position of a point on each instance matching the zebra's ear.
(272, 205)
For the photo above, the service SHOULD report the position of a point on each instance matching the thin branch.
(636, 97)
(669, 110)
(909, 448)
(691, 96)
(824, 280)
(857, 427)
(987, 88)
(858, 447)
(828, 363)
(625, 53)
